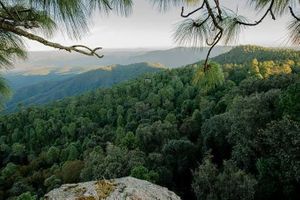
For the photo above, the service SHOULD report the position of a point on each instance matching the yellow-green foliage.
(267, 68)
(209, 79)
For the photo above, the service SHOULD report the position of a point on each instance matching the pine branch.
(76, 48)
(219, 35)
(190, 13)
(263, 17)
(219, 9)
(293, 14)
(214, 43)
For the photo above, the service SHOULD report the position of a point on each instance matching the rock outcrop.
(127, 188)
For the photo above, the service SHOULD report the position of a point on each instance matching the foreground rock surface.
(117, 189)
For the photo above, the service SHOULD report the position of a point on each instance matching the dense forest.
(238, 139)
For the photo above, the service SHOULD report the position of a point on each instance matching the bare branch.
(293, 14)
(76, 48)
(215, 42)
(212, 15)
(217, 38)
(219, 9)
(92, 51)
(190, 13)
(263, 17)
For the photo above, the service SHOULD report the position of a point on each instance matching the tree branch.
(213, 17)
(263, 17)
(219, 9)
(215, 21)
(217, 38)
(190, 13)
(76, 48)
(215, 42)
(25, 24)
(293, 14)
(17, 21)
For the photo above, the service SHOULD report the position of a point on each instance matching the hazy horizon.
(147, 49)
(148, 28)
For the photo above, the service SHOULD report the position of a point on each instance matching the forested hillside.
(17, 81)
(247, 53)
(70, 85)
(239, 140)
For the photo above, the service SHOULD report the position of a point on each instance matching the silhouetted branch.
(219, 9)
(217, 38)
(214, 43)
(216, 17)
(293, 14)
(190, 13)
(263, 17)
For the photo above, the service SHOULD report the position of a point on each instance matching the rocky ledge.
(127, 188)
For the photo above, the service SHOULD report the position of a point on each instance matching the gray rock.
(127, 188)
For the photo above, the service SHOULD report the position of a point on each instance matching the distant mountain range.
(180, 56)
(59, 87)
(20, 80)
(48, 76)
(59, 62)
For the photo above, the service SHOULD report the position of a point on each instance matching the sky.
(146, 27)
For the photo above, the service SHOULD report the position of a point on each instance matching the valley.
(49, 76)
(149, 100)
(158, 126)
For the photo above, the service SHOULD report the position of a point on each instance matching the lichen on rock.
(127, 188)
(104, 188)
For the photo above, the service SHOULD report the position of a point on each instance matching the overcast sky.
(148, 28)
